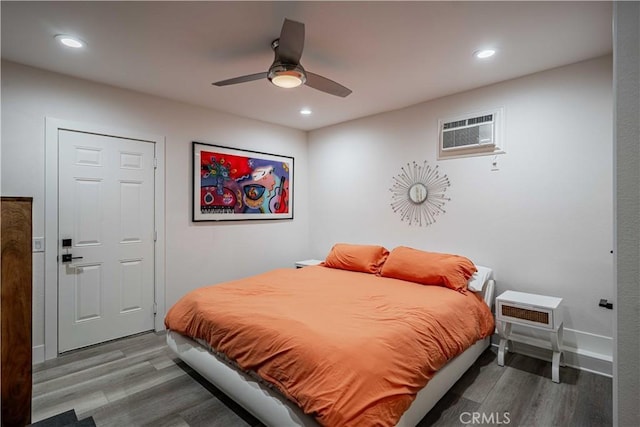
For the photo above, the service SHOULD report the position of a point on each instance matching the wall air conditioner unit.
(471, 132)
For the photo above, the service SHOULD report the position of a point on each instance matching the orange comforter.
(351, 349)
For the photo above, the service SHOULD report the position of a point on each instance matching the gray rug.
(65, 419)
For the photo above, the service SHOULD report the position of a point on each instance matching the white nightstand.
(308, 262)
(533, 311)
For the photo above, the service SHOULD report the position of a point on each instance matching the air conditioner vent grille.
(526, 314)
(453, 125)
(461, 138)
(468, 122)
(481, 119)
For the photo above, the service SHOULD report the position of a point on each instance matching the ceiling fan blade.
(242, 79)
(291, 42)
(325, 85)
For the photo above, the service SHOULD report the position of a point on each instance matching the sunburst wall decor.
(418, 193)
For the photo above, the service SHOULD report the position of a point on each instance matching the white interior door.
(106, 208)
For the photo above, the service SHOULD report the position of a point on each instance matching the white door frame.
(52, 126)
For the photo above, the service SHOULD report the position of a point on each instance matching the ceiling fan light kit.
(287, 76)
(286, 70)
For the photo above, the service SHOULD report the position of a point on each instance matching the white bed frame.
(275, 410)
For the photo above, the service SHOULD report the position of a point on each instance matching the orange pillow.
(429, 268)
(362, 258)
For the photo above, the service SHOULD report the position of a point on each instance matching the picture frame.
(232, 184)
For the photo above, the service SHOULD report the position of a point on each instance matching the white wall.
(196, 253)
(543, 221)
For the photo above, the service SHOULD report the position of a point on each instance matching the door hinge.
(155, 308)
(155, 235)
(155, 163)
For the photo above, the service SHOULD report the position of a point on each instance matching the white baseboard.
(582, 350)
(37, 354)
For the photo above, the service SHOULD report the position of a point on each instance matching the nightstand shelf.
(308, 262)
(532, 311)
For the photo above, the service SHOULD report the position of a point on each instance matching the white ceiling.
(391, 54)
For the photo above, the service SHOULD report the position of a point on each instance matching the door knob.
(69, 257)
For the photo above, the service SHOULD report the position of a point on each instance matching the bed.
(367, 370)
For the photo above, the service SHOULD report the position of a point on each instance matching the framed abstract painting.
(231, 184)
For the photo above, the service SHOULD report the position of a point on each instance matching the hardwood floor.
(137, 381)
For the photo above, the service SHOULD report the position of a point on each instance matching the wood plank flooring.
(138, 381)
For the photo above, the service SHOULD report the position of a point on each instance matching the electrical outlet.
(38, 244)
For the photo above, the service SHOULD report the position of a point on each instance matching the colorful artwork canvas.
(230, 184)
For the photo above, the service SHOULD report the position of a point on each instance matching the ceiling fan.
(286, 70)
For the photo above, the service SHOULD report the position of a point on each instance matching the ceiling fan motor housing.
(284, 74)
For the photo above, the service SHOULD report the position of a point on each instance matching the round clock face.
(418, 193)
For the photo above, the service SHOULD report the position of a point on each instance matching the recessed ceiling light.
(484, 53)
(305, 111)
(70, 41)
